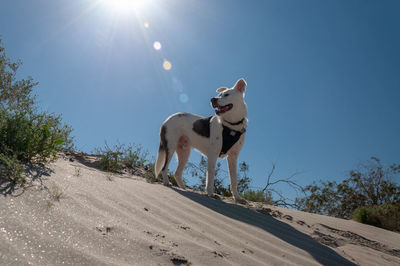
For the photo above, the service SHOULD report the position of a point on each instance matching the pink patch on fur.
(183, 142)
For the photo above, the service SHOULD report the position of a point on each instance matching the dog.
(221, 135)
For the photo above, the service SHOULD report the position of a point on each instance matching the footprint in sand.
(339, 237)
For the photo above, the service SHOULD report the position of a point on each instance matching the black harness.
(235, 123)
(229, 138)
(229, 135)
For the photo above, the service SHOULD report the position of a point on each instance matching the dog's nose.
(214, 100)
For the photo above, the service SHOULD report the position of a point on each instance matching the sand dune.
(73, 214)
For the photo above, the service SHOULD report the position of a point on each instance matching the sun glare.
(123, 6)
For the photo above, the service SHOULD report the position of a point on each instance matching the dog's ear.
(240, 85)
(221, 89)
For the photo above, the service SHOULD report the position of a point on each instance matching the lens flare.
(167, 65)
(146, 25)
(177, 85)
(183, 98)
(157, 45)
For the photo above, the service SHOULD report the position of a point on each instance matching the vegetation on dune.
(258, 196)
(386, 216)
(27, 135)
(11, 169)
(370, 185)
(370, 194)
(134, 159)
(120, 156)
(199, 171)
(131, 158)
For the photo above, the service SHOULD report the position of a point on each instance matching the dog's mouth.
(222, 109)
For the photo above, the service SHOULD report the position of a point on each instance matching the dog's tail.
(160, 161)
(162, 151)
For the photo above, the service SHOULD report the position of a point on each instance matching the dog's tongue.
(221, 109)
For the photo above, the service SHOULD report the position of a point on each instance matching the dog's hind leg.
(183, 152)
(211, 162)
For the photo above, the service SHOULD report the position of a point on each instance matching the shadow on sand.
(319, 252)
(33, 173)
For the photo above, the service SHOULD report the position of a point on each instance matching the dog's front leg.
(212, 160)
(213, 153)
(232, 165)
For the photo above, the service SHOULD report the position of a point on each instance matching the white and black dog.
(216, 136)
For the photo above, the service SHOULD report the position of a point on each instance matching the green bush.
(110, 159)
(257, 196)
(30, 137)
(110, 162)
(26, 134)
(385, 216)
(11, 169)
(372, 184)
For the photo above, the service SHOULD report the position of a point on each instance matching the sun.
(123, 6)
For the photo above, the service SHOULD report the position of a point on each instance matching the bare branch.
(282, 201)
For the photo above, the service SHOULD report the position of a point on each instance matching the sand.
(73, 214)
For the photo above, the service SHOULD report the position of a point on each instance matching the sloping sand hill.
(74, 214)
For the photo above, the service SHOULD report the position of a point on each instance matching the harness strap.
(229, 138)
(235, 123)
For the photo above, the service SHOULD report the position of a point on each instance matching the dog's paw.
(214, 196)
(165, 181)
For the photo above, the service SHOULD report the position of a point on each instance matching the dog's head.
(229, 103)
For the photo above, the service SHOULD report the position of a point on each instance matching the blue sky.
(323, 76)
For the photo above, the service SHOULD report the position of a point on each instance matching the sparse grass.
(120, 156)
(55, 193)
(109, 160)
(254, 195)
(134, 156)
(385, 216)
(149, 174)
(49, 204)
(128, 157)
(257, 196)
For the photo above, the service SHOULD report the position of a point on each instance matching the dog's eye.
(227, 94)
